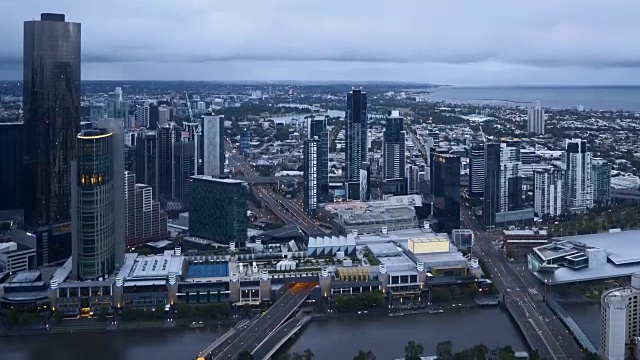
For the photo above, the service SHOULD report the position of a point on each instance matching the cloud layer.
(466, 41)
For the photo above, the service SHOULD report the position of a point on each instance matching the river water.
(339, 338)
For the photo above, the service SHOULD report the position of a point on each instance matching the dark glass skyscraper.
(393, 154)
(94, 206)
(491, 184)
(356, 133)
(445, 187)
(11, 158)
(51, 101)
(317, 128)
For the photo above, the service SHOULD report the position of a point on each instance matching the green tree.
(57, 317)
(297, 356)
(362, 355)
(587, 355)
(444, 350)
(245, 355)
(308, 355)
(413, 351)
(246, 310)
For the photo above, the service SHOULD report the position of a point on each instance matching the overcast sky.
(459, 42)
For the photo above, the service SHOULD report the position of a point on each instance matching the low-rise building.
(520, 243)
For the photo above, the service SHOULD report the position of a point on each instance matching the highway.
(541, 327)
(260, 330)
(282, 207)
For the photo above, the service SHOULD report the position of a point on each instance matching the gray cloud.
(390, 37)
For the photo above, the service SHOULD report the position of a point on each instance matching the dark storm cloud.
(408, 38)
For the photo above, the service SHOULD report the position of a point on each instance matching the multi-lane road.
(251, 337)
(283, 208)
(540, 326)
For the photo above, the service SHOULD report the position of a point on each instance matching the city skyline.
(551, 43)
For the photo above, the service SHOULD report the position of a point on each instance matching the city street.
(542, 328)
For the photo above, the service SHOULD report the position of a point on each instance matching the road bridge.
(251, 336)
(270, 345)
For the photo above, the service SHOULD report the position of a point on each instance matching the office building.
(164, 115)
(218, 209)
(476, 171)
(93, 215)
(147, 160)
(245, 141)
(184, 168)
(393, 154)
(520, 243)
(51, 105)
(445, 188)
(578, 184)
(548, 191)
(412, 176)
(619, 320)
(364, 193)
(317, 128)
(510, 197)
(214, 155)
(168, 135)
(357, 127)
(310, 175)
(11, 165)
(15, 258)
(491, 184)
(144, 220)
(601, 177)
(535, 121)
(117, 107)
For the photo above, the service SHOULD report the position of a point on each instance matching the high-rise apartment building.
(168, 135)
(476, 171)
(510, 197)
(218, 209)
(117, 107)
(619, 320)
(310, 175)
(317, 128)
(184, 168)
(548, 191)
(393, 153)
(601, 177)
(245, 141)
(578, 183)
(535, 121)
(11, 165)
(164, 115)
(445, 188)
(51, 103)
(145, 221)
(491, 204)
(357, 127)
(94, 210)
(214, 156)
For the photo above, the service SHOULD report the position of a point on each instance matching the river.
(339, 338)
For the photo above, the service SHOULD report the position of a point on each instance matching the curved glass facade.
(95, 205)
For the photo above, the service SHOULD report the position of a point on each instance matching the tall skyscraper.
(245, 141)
(317, 128)
(601, 176)
(548, 191)
(51, 103)
(147, 160)
(11, 165)
(510, 176)
(476, 171)
(93, 215)
(412, 175)
(168, 135)
(214, 155)
(356, 133)
(310, 177)
(117, 107)
(578, 184)
(116, 128)
(393, 150)
(491, 204)
(218, 209)
(184, 168)
(535, 123)
(445, 187)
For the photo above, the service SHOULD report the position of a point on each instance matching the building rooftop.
(525, 232)
(325, 241)
(152, 266)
